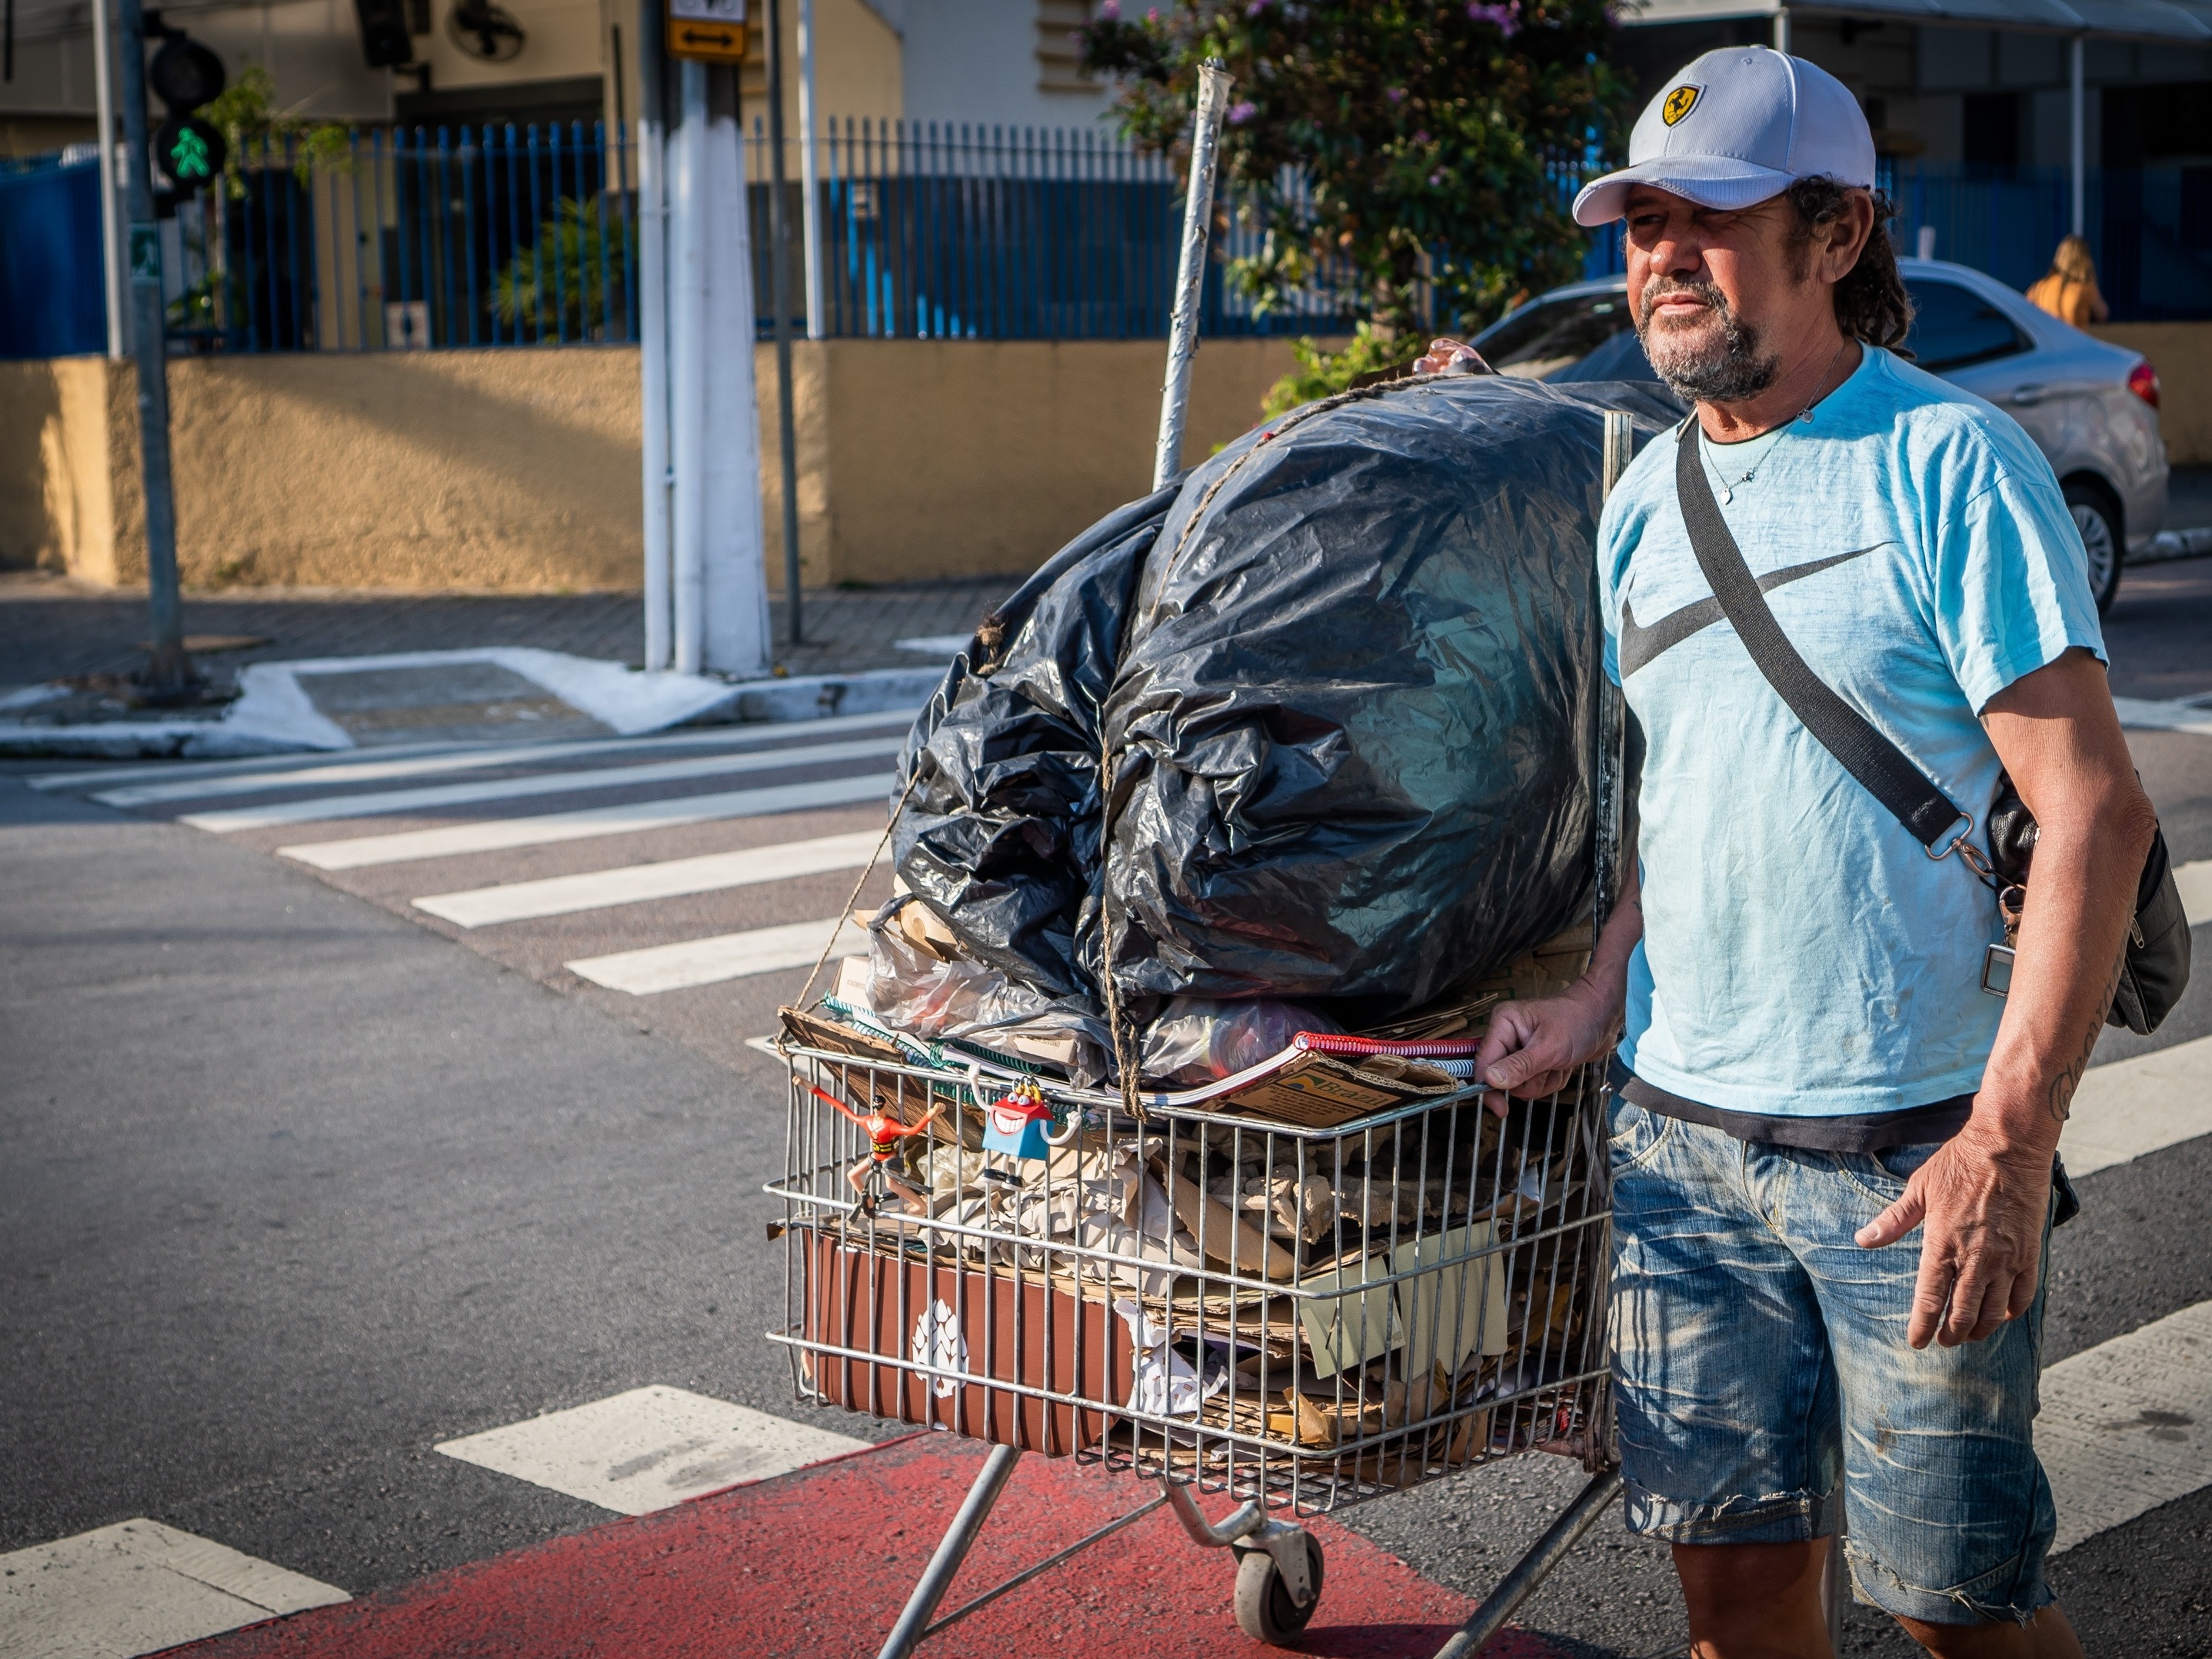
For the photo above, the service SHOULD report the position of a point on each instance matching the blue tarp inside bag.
(52, 303)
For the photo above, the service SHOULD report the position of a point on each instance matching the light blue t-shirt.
(1802, 956)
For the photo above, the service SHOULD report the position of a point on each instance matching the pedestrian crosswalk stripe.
(100, 776)
(545, 829)
(2131, 1107)
(634, 883)
(136, 1588)
(384, 767)
(2127, 1425)
(322, 809)
(2194, 881)
(649, 1448)
(725, 955)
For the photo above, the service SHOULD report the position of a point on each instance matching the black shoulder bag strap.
(2154, 966)
(1927, 813)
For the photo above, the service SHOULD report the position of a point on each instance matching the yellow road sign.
(710, 42)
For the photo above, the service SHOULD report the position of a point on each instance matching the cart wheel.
(1265, 1611)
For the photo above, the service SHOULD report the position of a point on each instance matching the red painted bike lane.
(818, 1562)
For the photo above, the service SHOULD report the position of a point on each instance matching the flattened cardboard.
(1319, 1091)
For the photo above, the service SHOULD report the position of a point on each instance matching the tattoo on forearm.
(2064, 1085)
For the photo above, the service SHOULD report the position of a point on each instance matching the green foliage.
(562, 283)
(246, 111)
(1323, 373)
(1420, 130)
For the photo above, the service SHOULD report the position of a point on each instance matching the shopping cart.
(1304, 1308)
(1300, 1317)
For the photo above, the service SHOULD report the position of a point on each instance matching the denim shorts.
(1765, 1383)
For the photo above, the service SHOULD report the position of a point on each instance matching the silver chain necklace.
(1729, 486)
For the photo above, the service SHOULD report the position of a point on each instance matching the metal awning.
(2120, 20)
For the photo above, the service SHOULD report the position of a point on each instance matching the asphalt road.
(292, 1188)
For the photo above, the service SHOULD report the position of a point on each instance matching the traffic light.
(384, 40)
(187, 150)
(185, 73)
(190, 151)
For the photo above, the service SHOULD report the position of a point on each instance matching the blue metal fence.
(479, 236)
(949, 231)
(52, 303)
(513, 236)
(2149, 227)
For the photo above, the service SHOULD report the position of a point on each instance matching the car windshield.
(1555, 335)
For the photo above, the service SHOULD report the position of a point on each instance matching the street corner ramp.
(463, 701)
(817, 1563)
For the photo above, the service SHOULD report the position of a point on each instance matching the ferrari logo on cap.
(1680, 102)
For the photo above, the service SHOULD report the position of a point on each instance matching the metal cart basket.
(1302, 1317)
(1305, 1299)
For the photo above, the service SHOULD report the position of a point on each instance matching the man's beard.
(1725, 372)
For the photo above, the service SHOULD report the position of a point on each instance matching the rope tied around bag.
(838, 927)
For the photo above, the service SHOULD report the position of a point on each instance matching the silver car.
(2091, 408)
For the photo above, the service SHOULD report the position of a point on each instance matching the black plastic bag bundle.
(1346, 680)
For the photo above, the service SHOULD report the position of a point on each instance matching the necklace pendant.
(1727, 494)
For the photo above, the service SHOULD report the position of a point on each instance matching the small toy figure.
(1017, 1124)
(884, 1132)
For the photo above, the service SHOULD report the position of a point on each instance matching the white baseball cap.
(1735, 127)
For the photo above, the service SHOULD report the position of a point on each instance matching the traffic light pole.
(168, 670)
(779, 294)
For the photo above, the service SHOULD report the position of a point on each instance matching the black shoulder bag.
(2154, 966)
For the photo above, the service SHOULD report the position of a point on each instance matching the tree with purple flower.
(1399, 156)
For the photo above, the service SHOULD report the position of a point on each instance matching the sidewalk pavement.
(52, 628)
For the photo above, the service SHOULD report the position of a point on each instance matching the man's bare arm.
(1983, 1197)
(1531, 1048)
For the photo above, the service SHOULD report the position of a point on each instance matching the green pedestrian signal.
(188, 158)
(190, 153)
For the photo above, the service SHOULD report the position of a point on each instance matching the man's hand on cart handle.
(1532, 1047)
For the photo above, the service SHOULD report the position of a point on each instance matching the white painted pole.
(734, 621)
(111, 217)
(810, 221)
(652, 359)
(687, 330)
(2077, 155)
(1782, 29)
(1213, 84)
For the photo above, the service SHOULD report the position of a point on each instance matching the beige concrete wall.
(2182, 354)
(518, 470)
(964, 457)
(63, 426)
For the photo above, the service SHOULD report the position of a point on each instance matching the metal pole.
(1834, 1575)
(687, 370)
(1782, 29)
(811, 209)
(1213, 84)
(110, 221)
(779, 291)
(1532, 1569)
(653, 330)
(2078, 139)
(937, 1578)
(1618, 449)
(169, 671)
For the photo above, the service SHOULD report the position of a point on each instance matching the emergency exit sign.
(713, 31)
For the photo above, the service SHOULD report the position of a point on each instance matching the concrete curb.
(274, 715)
(2175, 544)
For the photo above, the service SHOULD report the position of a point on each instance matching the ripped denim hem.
(1788, 1517)
(1998, 1596)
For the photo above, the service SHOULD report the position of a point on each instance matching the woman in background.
(2069, 291)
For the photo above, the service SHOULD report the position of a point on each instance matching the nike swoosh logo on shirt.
(1638, 646)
